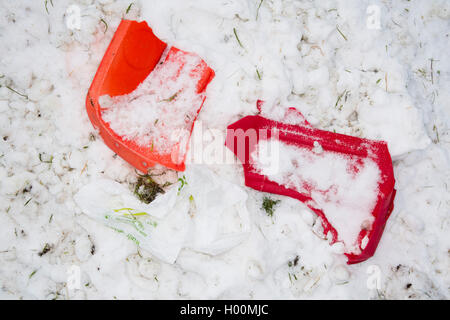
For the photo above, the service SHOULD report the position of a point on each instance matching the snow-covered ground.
(374, 69)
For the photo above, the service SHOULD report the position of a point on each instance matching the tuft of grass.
(268, 205)
(258, 74)
(237, 38)
(422, 72)
(172, 97)
(437, 134)
(386, 81)
(130, 213)
(431, 70)
(129, 7)
(257, 10)
(339, 98)
(45, 161)
(146, 189)
(15, 91)
(46, 5)
(294, 262)
(183, 183)
(32, 274)
(106, 25)
(45, 250)
(292, 275)
(343, 35)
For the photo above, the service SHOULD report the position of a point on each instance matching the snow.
(347, 197)
(165, 102)
(386, 83)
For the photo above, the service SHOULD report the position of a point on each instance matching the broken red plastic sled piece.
(131, 56)
(304, 136)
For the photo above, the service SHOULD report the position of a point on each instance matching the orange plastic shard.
(131, 56)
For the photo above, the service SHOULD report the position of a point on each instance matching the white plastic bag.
(157, 227)
(203, 212)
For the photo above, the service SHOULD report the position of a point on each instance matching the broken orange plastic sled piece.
(131, 56)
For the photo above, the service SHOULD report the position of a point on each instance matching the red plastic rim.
(305, 136)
